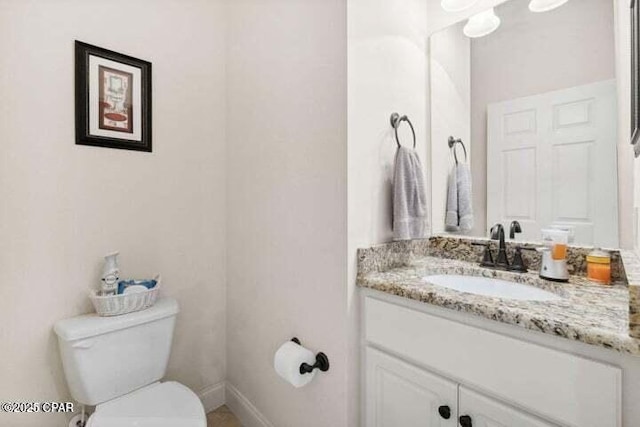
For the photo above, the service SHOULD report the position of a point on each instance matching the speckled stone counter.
(632, 272)
(461, 248)
(588, 312)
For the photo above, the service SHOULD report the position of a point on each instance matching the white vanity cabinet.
(483, 411)
(417, 362)
(399, 394)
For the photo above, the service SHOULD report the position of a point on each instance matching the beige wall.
(287, 202)
(387, 73)
(62, 206)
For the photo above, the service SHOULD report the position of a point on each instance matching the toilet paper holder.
(322, 361)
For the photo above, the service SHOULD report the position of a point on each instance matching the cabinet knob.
(445, 412)
(465, 421)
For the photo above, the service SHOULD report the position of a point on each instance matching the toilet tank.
(107, 357)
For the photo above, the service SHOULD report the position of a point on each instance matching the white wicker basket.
(115, 305)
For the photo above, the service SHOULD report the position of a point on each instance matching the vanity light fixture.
(482, 24)
(545, 5)
(457, 5)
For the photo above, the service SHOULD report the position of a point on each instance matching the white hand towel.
(459, 216)
(409, 199)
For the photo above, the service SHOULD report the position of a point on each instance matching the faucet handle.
(519, 264)
(487, 258)
(514, 228)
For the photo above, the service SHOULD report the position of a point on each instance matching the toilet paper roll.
(287, 363)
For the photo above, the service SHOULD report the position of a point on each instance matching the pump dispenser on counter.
(554, 255)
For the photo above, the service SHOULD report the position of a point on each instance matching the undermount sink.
(491, 287)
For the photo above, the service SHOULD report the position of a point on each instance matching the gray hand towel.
(459, 216)
(451, 219)
(465, 197)
(409, 199)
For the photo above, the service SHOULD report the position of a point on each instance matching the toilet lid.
(167, 404)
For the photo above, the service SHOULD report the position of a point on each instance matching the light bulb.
(545, 5)
(482, 24)
(457, 5)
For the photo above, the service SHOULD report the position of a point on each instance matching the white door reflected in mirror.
(552, 160)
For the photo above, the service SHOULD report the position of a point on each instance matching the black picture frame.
(127, 140)
(635, 76)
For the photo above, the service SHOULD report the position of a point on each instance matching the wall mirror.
(534, 98)
(635, 76)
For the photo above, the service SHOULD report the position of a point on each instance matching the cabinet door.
(485, 412)
(401, 395)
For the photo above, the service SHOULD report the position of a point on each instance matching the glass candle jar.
(599, 266)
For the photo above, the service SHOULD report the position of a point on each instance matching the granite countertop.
(588, 312)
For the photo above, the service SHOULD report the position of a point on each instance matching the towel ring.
(396, 119)
(452, 145)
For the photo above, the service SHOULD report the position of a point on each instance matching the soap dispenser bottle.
(110, 275)
(554, 255)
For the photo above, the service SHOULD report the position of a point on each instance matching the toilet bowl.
(116, 364)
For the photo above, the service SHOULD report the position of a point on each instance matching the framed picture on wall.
(113, 99)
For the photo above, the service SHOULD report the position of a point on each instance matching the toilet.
(116, 364)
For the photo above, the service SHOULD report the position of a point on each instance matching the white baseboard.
(213, 397)
(242, 408)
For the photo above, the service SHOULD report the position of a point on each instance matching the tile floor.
(222, 417)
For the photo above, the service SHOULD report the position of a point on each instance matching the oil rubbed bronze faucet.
(497, 233)
(502, 260)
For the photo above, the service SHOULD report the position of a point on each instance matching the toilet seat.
(168, 404)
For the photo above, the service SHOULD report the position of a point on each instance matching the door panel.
(519, 172)
(520, 122)
(513, 166)
(572, 192)
(486, 412)
(399, 394)
(570, 176)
